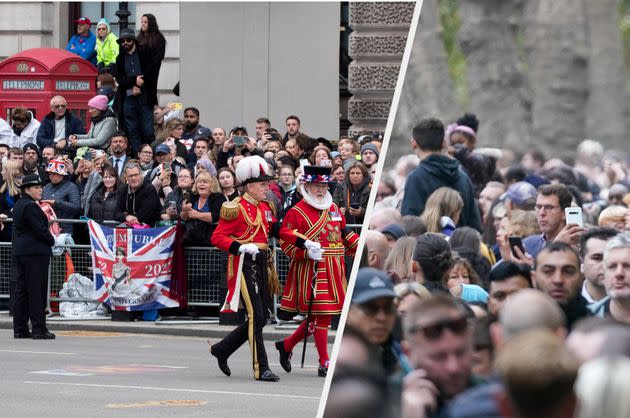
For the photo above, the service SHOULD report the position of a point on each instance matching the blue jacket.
(84, 46)
(46, 133)
(67, 201)
(435, 171)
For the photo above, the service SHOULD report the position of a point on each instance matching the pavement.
(206, 328)
(110, 373)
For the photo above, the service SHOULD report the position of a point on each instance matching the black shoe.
(322, 371)
(45, 336)
(268, 376)
(285, 357)
(223, 365)
(22, 334)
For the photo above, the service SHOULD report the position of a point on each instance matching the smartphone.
(87, 156)
(275, 136)
(239, 141)
(186, 196)
(573, 215)
(173, 205)
(355, 205)
(516, 242)
(167, 166)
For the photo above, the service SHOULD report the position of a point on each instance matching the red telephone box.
(31, 78)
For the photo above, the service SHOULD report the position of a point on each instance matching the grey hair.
(57, 97)
(621, 240)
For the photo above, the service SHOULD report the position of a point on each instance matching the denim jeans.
(139, 122)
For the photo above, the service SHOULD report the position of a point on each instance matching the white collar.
(321, 206)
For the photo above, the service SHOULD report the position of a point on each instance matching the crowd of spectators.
(140, 163)
(479, 295)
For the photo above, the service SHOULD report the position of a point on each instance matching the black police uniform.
(32, 251)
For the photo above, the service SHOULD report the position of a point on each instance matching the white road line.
(218, 392)
(38, 352)
(159, 365)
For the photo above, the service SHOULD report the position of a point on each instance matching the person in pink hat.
(104, 124)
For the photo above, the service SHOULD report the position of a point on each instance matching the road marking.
(89, 334)
(38, 352)
(216, 392)
(62, 372)
(176, 402)
(161, 366)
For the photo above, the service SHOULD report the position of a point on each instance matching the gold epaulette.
(272, 205)
(230, 210)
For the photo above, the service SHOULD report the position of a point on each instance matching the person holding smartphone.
(353, 195)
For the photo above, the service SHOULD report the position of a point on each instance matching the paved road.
(101, 374)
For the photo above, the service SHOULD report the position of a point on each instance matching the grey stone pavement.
(104, 369)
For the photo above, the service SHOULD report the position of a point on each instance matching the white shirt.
(60, 129)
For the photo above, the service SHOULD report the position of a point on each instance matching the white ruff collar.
(322, 205)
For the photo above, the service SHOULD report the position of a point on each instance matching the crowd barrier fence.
(205, 270)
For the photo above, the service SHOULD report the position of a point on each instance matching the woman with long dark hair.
(151, 37)
(104, 202)
(352, 196)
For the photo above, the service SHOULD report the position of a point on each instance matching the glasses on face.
(373, 308)
(434, 331)
(131, 176)
(101, 28)
(127, 41)
(546, 208)
(59, 106)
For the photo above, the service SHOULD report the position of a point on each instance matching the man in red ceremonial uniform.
(244, 229)
(318, 219)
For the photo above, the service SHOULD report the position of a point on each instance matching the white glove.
(248, 249)
(312, 245)
(315, 254)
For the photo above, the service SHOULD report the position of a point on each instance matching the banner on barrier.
(132, 267)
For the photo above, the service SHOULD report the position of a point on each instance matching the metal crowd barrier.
(205, 269)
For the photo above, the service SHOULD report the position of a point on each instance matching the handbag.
(197, 233)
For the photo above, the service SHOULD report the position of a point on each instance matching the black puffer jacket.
(104, 208)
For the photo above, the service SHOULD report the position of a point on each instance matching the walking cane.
(310, 308)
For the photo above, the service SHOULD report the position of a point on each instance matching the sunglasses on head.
(373, 308)
(434, 331)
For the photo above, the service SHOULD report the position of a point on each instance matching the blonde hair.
(402, 290)
(204, 175)
(11, 180)
(612, 214)
(523, 223)
(601, 388)
(399, 258)
(442, 202)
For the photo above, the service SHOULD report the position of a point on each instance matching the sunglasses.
(372, 309)
(59, 106)
(126, 41)
(434, 331)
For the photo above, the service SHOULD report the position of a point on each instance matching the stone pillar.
(377, 44)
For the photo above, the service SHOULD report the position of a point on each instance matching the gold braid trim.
(272, 275)
(272, 205)
(230, 210)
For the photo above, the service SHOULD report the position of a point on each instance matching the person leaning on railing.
(202, 211)
(138, 202)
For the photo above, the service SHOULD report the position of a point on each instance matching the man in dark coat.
(138, 202)
(58, 125)
(32, 251)
(437, 170)
(137, 76)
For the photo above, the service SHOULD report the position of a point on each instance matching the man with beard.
(118, 152)
(557, 273)
(245, 226)
(31, 163)
(318, 219)
(137, 76)
(58, 125)
(293, 127)
(192, 128)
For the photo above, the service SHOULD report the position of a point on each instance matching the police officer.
(32, 251)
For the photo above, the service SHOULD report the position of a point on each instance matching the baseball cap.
(521, 192)
(394, 230)
(83, 21)
(334, 154)
(162, 149)
(372, 284)
(239, 128)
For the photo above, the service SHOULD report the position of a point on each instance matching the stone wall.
(376, 46)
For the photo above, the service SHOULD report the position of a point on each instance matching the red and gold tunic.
(328, 227)
(246, 220)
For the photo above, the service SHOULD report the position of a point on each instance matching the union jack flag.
(132, 267)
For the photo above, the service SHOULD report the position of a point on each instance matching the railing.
(205, 269)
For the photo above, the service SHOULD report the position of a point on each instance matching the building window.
(95, 11)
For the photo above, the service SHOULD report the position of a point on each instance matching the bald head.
(528, 309)
(377, 247)
(383, 217)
